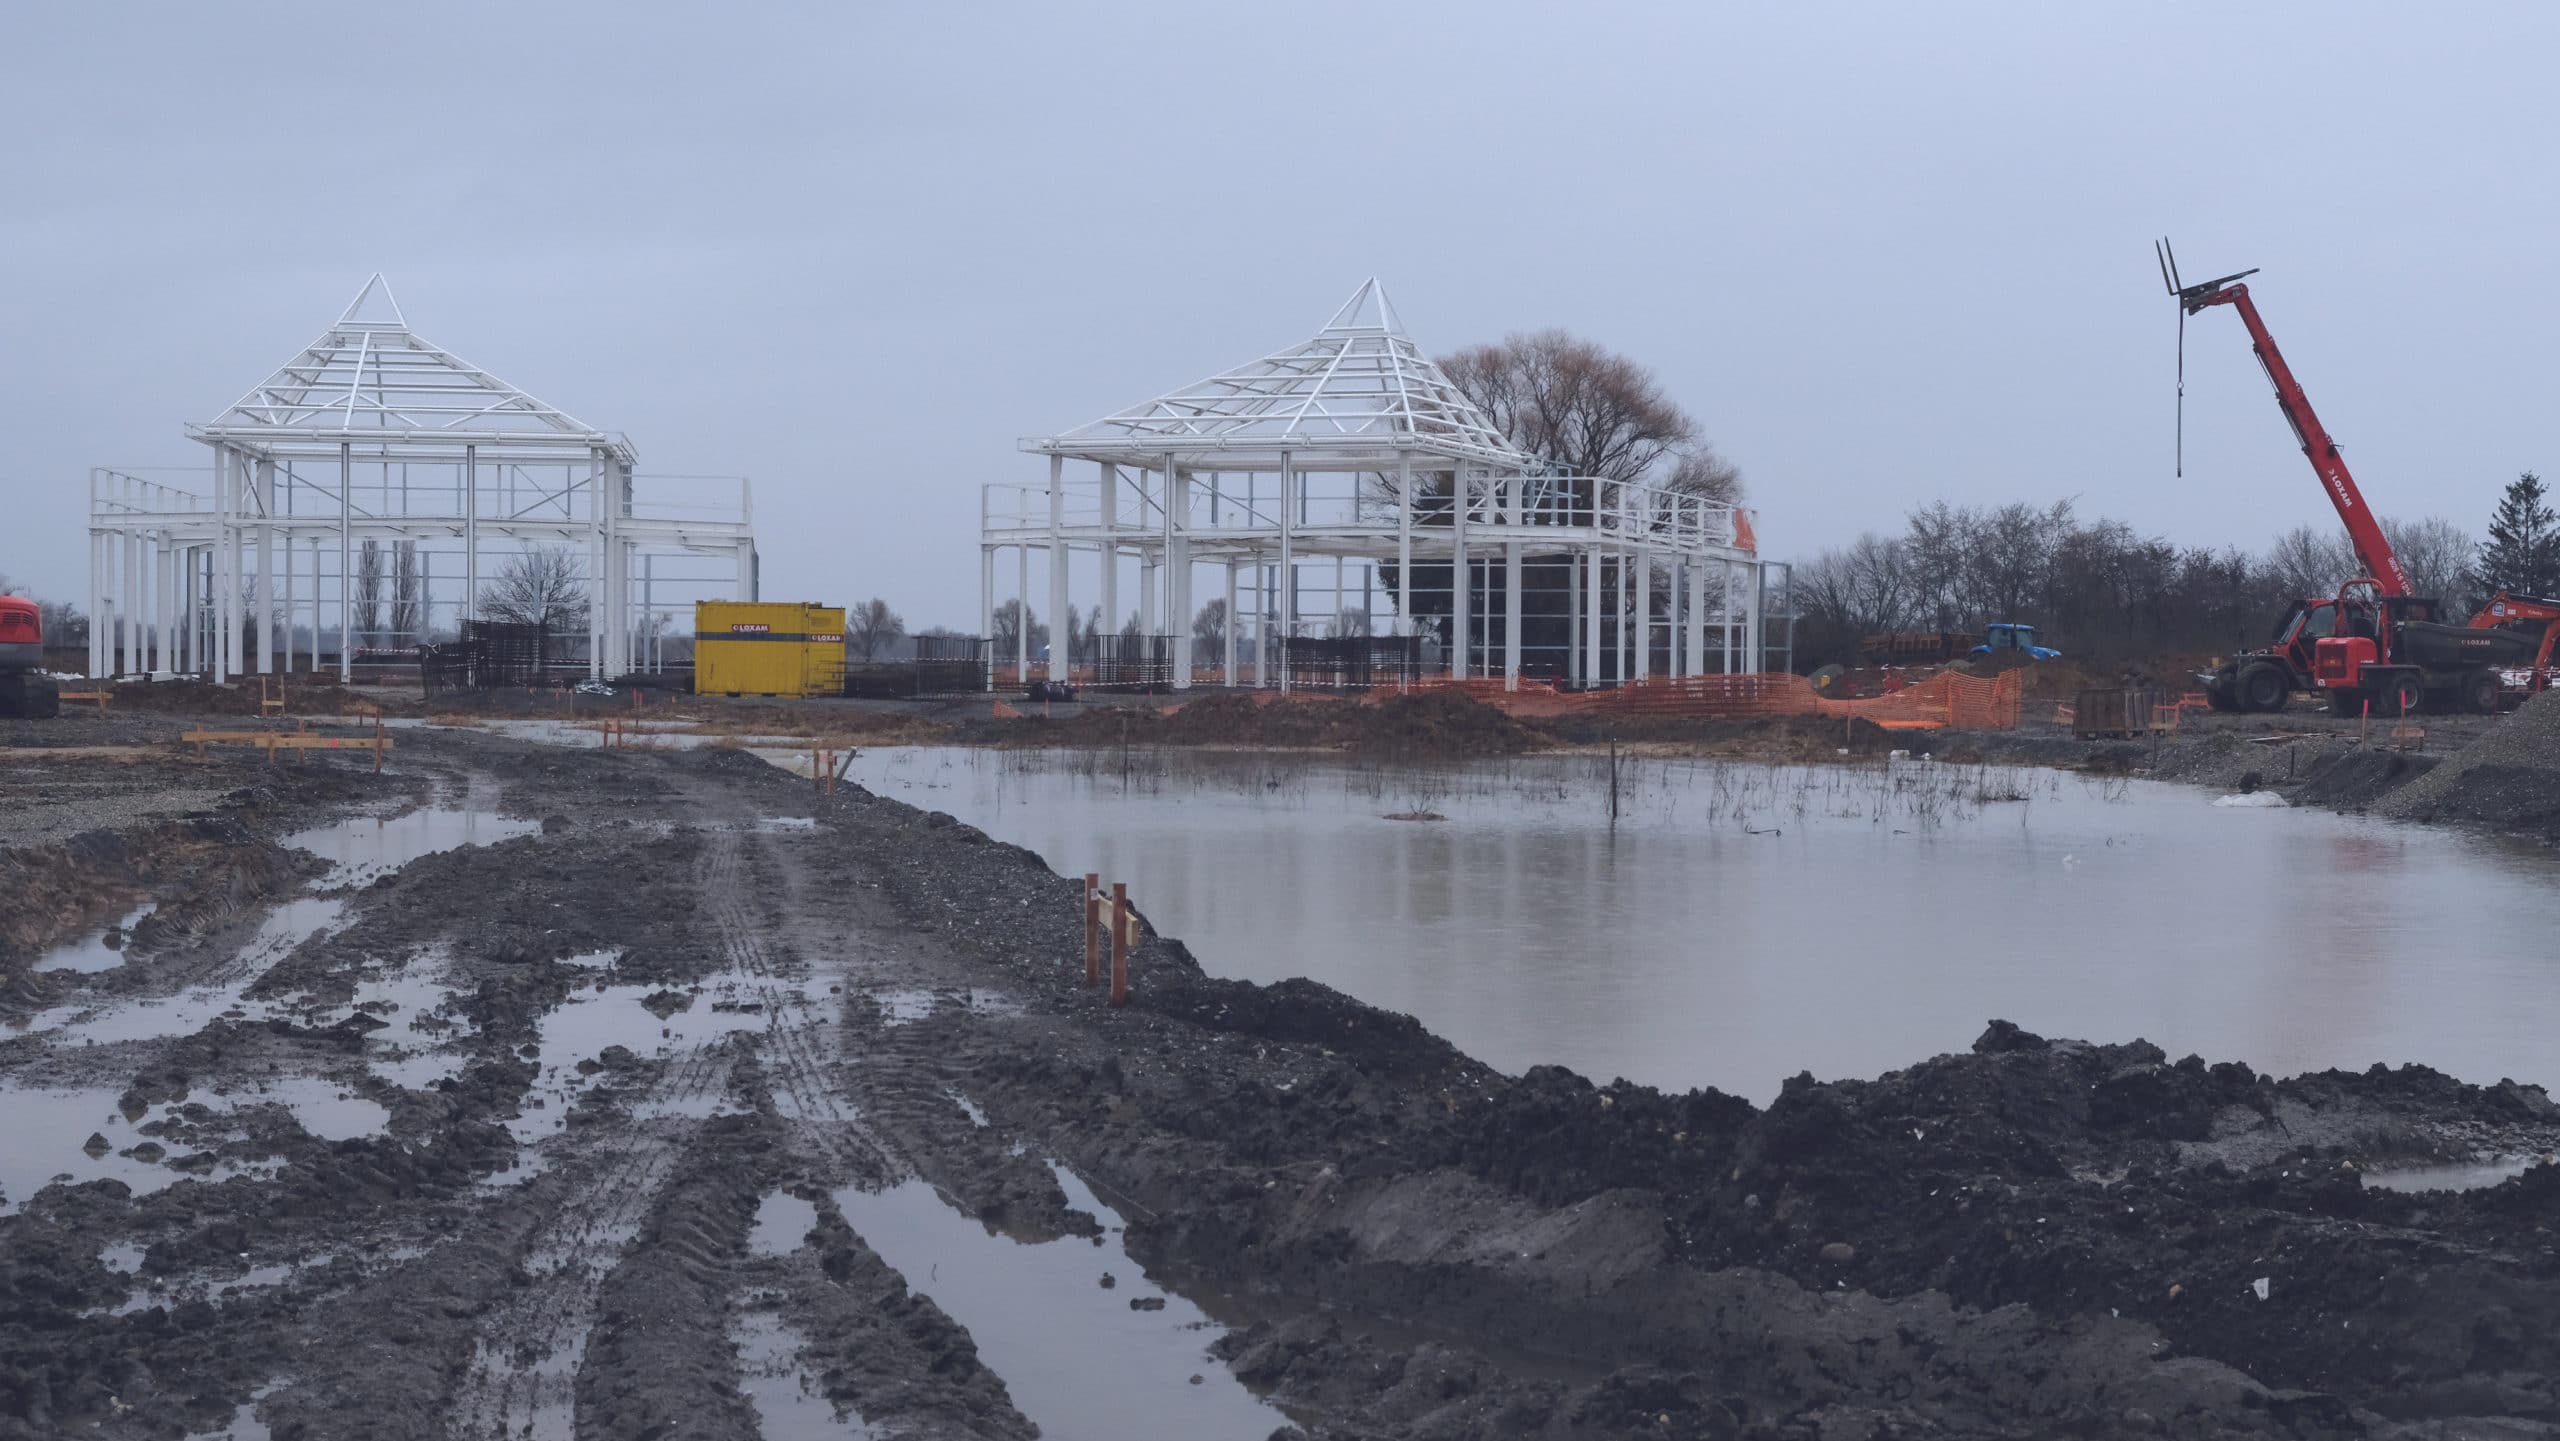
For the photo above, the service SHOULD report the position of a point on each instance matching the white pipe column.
(470, 543)
(1061, 613)
(218, 647)
(1232, 627)
(1177, 551)
(1512, 603)
(266, 566)
(129, 597)
(315, 605)
(1754, 653)
(1458, 601)
(1287, 579)
(1696, 641)
(1644, 612)
(1591, 668)
(1404, 543)
(346, 563)
(1110, 546)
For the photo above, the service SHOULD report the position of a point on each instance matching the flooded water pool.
(1081, 1355)
(1740, 923)
(365, 847)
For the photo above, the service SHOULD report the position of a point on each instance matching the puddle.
(789, 1405)
(256, 1278)
(44, 1136)
(366, 847)
(900, 1008)
(191, 1010)
(324, 1108)
(244, 1424)
(594, 960)
(418, 1042)
(101, 952)
(1076, 1358)
(590, 1021)
(977, 1114)
(123, 1257)
(2460, 1176)
(783, 1222)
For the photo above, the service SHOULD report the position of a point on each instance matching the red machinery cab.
(21, 634)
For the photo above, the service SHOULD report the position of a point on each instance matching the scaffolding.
(369, 492)
(1348, 473)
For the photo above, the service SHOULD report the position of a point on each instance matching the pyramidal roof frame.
(1359, 390)
(371, 379)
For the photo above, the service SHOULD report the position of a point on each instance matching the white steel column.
(1512, 604)
(1573, 616)
(1404, 544)
(1110, 546)
(470, 544)
(1643, 558)
(346, 563)
(1061, 602)
(1287, 579)
(315, 605)
(1697, 627)
(1592, 670)
(1177, 550)
(1458, 601)
(1232, 627)
(267, 566)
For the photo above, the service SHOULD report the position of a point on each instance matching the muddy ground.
(644, 1112)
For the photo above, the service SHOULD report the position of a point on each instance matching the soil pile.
(2509, 778)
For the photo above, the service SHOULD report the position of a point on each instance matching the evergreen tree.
(2522, 553)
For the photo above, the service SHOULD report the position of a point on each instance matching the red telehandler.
(2374, 647)
(26, 692)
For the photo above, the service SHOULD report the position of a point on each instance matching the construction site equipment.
(26, 692)
(1937, 647)
(488, 654)
(768, 648)
(2363, 651)
(2123, 713)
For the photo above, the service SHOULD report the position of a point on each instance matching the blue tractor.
(2001, 637)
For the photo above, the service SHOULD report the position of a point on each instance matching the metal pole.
(1061, 601)
(1110, 545)
(1513, 604)
(470, 534)
(346, 563)
(1287, 579)
(1458, 601)
(1233, 627)
(1022, 615)
(1404, 543)
(267, 566)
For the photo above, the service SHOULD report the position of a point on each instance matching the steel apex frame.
(1354, 446)
(374, 434)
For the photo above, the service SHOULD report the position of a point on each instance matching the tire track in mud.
(523, 1377)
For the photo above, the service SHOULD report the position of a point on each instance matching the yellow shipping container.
(767, 648)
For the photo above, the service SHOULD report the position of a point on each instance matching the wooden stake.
(1120, 943)
(1092, 930)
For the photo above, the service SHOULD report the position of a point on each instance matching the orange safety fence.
(1948, 699)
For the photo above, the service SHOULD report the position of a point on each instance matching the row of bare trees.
(2096, 588)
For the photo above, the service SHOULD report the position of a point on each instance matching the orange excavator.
(26, 692)
(2374, 648)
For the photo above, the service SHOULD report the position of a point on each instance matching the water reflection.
(1741, 923)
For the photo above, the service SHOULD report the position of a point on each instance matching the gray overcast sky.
(1885, 253)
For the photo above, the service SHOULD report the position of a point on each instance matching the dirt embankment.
(698, 995)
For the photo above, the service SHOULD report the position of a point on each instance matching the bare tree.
(541, 585)
(1354, 620)
(2309, 560)
(870, 626)
(408, 592)
(1006, 630)
(1209, 633)
(1697, 469)
(2437, 554)
(1589, 411)
(368, 616)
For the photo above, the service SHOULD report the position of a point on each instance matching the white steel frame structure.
(373, 437)
(1347, 449)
